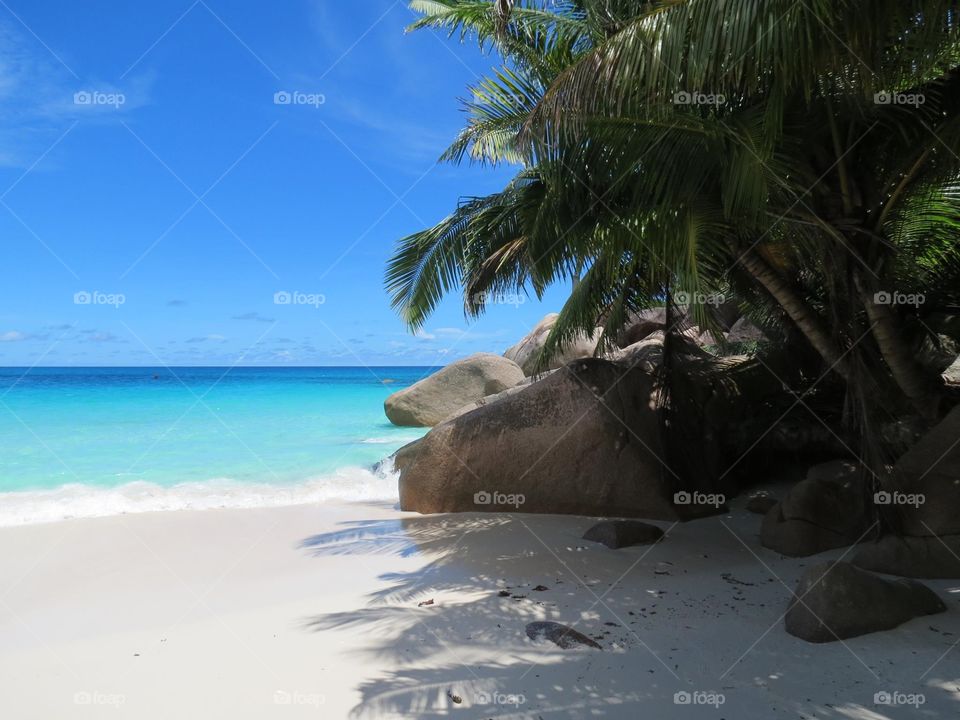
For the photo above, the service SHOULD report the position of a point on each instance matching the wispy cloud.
(253, 316)
(207, 338)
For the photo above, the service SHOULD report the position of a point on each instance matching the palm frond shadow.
(469, 556)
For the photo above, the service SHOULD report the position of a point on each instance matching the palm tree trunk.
(799, 311)
(906, 372)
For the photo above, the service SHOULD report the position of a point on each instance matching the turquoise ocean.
(88, 442)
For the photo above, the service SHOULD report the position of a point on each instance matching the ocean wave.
(29, 507)
(390, 440)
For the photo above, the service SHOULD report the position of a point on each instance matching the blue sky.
(156, 194)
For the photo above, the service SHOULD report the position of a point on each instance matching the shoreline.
(77, 501)
(314, 611)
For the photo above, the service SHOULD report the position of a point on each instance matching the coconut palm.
(805, 152)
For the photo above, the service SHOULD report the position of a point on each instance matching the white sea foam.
(390, 440)
(84, 501)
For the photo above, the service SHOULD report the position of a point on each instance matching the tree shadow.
(683, 615)
(442, 652)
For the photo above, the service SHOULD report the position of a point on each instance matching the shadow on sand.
(668, 617)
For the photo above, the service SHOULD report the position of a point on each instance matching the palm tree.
(805, 151)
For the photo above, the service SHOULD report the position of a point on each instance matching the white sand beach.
(314, 611)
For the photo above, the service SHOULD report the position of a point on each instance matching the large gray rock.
(951, 376)
(745, 331)
(838, 601)
(647, 354)
(822, 512)
(930, 469)
(490, 399)
(918, 557)
(434, 398)
(583, 441)
(526, 353)
(642, 325)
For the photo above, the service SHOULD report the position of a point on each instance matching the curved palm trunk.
(906, 372)
(799, 311)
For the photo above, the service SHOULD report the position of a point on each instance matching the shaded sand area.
(324, 612)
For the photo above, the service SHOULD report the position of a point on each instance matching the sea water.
(86, 442)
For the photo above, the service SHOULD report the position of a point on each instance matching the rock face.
(434, 398)
(819, 513)
(917, 557)
(745, 331)
(561, 635)
(838, 601)
(922, 500)
(931, 468)
(623, 533)
(642, 325)
(526, 352)
(951, 376)
(561, 445)
(490, 399)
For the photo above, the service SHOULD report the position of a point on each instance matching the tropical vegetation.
(801, 157)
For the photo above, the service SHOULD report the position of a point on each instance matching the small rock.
(503, 593)
(561, 635)
(623, 533)
(455, 698)
(761, 504)
(425, 602)
(838, 600)
(541, 588)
